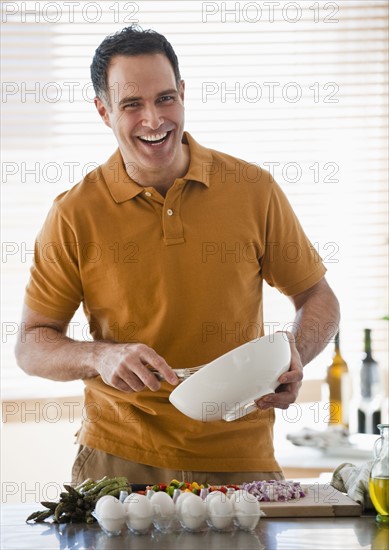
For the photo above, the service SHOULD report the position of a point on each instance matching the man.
(135, 242)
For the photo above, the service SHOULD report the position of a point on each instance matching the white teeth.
(156, 137)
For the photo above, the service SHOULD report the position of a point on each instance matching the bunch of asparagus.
(76, 504)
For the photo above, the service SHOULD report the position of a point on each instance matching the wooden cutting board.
(320, 501)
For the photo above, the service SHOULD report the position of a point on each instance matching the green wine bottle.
(369, 409)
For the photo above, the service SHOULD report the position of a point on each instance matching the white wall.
(37, 454)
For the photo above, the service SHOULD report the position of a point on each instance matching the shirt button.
(169, 212)
(147, 193)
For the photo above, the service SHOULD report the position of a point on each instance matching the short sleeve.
(290, 263)
(54, 288)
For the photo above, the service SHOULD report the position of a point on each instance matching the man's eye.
(165, 98)
(131, 105)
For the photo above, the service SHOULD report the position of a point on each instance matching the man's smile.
(154, 139)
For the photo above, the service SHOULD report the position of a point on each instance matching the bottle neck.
(337, 344)
(368, 357)
(384, 443)
(384, 430)
(337, 354)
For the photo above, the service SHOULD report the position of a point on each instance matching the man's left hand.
(290, 383)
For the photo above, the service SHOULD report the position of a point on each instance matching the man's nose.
(152, 118)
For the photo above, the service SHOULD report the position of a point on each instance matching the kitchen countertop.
(336, 533)
(311, 461)
(300, 462)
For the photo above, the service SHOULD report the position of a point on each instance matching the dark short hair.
(132, 40)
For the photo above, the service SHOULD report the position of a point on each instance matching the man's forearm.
(45, 352)
(43, 349)
(316, 321)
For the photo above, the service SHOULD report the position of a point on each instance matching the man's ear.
(182, 90)
(102, 110)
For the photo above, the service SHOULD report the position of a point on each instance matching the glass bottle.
(338, 384)
(379, 475)
(369, 408)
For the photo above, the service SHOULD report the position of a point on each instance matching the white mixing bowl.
(226, 388)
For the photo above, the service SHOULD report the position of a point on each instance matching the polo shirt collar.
(200, 158)
(119, 183)
(123, 188)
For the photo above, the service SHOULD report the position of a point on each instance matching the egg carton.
(185, 511)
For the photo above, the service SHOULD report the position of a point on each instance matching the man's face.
(146, 114)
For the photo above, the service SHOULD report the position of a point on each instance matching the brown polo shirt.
(182, 274)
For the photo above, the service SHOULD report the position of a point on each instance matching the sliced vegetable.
(269, 491)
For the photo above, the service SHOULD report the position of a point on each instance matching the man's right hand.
(126, 367)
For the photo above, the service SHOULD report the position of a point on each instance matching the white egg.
(183, 496)
(110, 513)
(100, 502)
(247, 510)
(210, 496)
(162, 504)
(139, 512)
(192, 512)
(236, 495)
(220, 510)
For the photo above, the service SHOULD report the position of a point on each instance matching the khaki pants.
(95, 464)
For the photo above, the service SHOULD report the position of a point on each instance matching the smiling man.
(172, 284)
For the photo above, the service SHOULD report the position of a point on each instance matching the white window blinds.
(298, 88)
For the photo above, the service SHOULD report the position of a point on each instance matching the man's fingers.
(128, 367)
(281, 399)
(274, 403)
(291, 377)
(145, 377)
(127, 380)
(150, 357)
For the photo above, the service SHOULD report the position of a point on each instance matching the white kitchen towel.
(354, 481)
